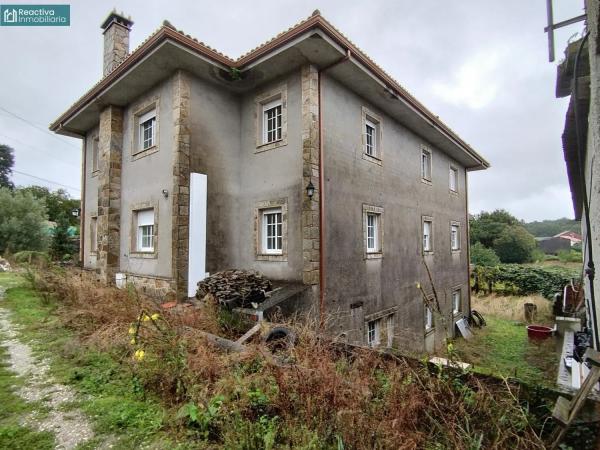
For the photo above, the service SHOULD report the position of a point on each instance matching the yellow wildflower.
(155, 316)
(418, 285)
(146, 318)
(132, 341)
(139, 354)
(131, 330)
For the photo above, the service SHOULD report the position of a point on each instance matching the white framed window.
(427, 235)
(425, 164)
(145, 230)
(373, 332)
(428, 318)
(272, 121)
(147, 130)
(272, 231)
(454, 236)
(456, 300)
(389, 324)
(453, 179)
(95, 154)
(94, 234)
(370, 138)
(373, 233)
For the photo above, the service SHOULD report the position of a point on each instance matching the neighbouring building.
(579, 78)
(302, 160)
(570, 236)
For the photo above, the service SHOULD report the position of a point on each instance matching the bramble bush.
(522, 280)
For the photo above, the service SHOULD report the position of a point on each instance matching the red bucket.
(538, 332)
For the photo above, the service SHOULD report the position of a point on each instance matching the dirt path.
(70, 428)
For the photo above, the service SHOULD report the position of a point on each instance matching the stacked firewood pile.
(235, 288)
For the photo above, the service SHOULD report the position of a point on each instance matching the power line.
(47, 181)
(39, 150)
(31, 124)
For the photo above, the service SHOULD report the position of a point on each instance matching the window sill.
(144, 255)
(426, 181)
(455, 252)
(95, 173)
(94, 253)
(427, 252)
(271, 145)
(373, 159)
(271, 257)
(373, 255)
(455, 193)
(456, 314)
(429, 331)
(141, 153)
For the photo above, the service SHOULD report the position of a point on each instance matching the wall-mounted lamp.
(165, 193)
(76, 212)
(310, 190)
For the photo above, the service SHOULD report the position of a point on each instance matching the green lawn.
(502, 348)
(119, 409)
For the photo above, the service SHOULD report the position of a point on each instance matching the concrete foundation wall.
(388, 283)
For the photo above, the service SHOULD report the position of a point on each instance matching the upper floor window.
(272, 231)
(453, 183)
(95, 154)
(145, 230)
(271, 118)
(371, 131)
(147, 130)
(372, 232)
(455, 236)
(425, 164)
(427, 235)
(272, 121)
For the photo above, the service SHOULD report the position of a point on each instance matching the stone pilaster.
(109, 191)
(181, 182)
(310, 172)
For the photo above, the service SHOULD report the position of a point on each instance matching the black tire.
(280, 338)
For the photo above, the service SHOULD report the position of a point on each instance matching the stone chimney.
(116, 40)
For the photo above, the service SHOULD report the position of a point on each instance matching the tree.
(58, 203)
(483, 256)
(22, 222)
(62, 246)
(7, 161)
(514, 245)
(487, 226)
(552, 227)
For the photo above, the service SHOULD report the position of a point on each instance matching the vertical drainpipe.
(82, 201)
(322, 285)
(468, 313)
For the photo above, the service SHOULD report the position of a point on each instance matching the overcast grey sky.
(480, 65)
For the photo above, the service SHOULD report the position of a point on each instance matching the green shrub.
(22, 220)
(483, 256)
(570, 256)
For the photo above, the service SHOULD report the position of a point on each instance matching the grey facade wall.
(142, 182)
(388, 283)
(592, 162)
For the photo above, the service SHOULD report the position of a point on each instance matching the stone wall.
(181, 182)
(310, 173)
(109, 191)
(116, 46)
(155, 287)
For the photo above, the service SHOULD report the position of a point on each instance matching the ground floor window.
(373, 332)
(456, 301)
(428, 318)
(272, 231)
(145, 230)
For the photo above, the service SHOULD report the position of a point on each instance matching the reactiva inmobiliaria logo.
(35, 15)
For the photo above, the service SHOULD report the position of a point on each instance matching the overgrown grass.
(109, 395)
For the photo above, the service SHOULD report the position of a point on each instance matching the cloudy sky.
(481, 65)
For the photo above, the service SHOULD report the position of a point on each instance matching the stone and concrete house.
(302, 160)
(579, 78)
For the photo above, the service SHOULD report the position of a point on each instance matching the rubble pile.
(235, 288)
(4, 265)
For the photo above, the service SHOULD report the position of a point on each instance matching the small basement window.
(456, 301)
(389, 322)
(94, 234)
(95, 154)
(373, 332)
(428, 318)
(272, 231)
(145, 230)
